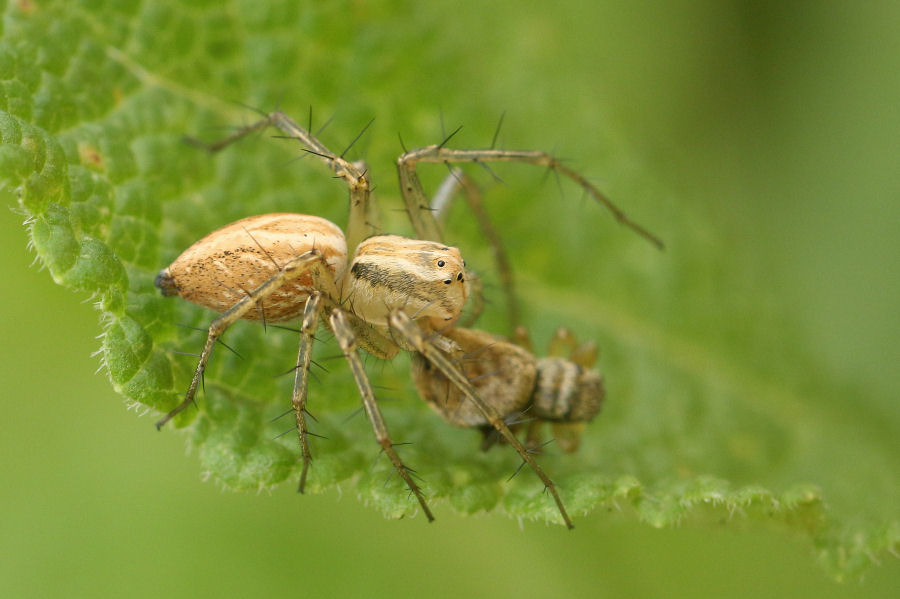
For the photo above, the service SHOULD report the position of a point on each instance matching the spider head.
(424, 278)
(444, 271)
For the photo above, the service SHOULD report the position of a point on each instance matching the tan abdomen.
(221, 268)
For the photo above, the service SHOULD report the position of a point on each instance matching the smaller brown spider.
(560, 389)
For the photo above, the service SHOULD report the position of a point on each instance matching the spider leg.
(458, 180)
(414, 335)
(347, 341)
(362, 221)
(443, 197)
(522, 338)
(420, 211)
(476, 300)
(306, 262)
(301, 378)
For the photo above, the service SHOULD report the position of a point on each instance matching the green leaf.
(717, 411)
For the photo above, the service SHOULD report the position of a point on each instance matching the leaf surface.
(716, 413)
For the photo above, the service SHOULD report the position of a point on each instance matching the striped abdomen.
(566, 391)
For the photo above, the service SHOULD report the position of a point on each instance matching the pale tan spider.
(396, 293)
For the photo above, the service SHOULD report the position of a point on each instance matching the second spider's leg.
(459, 181)
(522, 338)
(301, 378)
(476, 299)
(347, 341)
(311, 260)
(361, 222)
(414, 335)
(420, 211)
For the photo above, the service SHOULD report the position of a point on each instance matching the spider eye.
(459, 277)
(441, 263)
(447, 282)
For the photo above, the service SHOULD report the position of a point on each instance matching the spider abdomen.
(223, 267)
(567, 392)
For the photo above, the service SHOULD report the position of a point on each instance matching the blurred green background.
(777, 122)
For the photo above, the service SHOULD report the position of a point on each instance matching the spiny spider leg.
(306, 262)
(419, 209)
(476, 299)
(414, 335)
(458, 180)
(347, 341)
(308, 328)
(363, 220)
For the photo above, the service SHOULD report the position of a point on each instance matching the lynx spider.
(395, 293)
